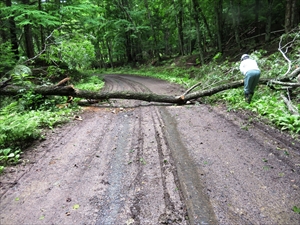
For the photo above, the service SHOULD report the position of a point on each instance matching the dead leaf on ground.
(77, 118)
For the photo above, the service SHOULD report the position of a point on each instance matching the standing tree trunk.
(168, 47)
(28, 42)
(199, 35)
(205, 23)
(42, 46)
(154, 33)
(256, 12)
(108, 45)
(269, 20)
(28, 37)
(290, 15)
(235, 11)
(179, 22)
(128, 46)
(99, 62)
(13, 34)
(219, 19)
(133, 48)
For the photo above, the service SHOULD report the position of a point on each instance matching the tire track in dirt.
(140, 179)
(151, 180)
(198, 205)
(199, 208)
(121, 83)
(245, 181)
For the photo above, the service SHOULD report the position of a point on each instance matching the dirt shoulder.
(131, 162)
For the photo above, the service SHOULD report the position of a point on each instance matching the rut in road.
(143, 177)
(190, 194)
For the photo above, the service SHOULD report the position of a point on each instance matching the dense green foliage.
(24, 117)
(6, 56)
(22, 120)
(102, 33)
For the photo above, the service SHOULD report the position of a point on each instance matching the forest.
(183, 41)
(84, 34)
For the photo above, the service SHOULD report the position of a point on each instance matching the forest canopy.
(83, 34)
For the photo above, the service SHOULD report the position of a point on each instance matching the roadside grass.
(23, 118)
(266, 104)
(91, 83)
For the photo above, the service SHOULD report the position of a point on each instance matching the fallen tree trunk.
(71, 91)
(12, 90)
(149, 97)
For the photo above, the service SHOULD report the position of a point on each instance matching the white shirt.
(247, 65)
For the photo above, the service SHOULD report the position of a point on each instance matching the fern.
(28, 15)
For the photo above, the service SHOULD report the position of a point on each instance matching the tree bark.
(42, 35)
(235, 10)
(199, 33)
(108, 45)
(28, 37)
(219, 19)
(71, 91)
(290, 15)
(179, 22)
(205, 23)
(269, 20)
(13, 33)
(11, 90)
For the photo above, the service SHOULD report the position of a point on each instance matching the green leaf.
(76, 206)
(296, 209)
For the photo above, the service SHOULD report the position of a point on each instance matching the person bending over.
(251, 72)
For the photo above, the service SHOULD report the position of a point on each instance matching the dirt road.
(132, 162)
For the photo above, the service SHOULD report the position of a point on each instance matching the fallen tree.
(12, 90)
(284, 83)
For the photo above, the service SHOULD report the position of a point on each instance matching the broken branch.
(290, 106)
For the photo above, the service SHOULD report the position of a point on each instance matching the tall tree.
(126, 30)
(13, 33)
(28, 35)
(205, 22)
(196, 13)
(218, 5)
(290, 15)
(269, 20)
(153, 29)
(256, 20)
(179, 22)
(235, 14)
